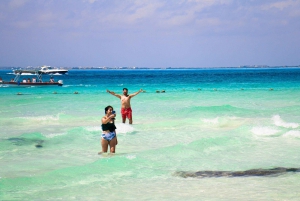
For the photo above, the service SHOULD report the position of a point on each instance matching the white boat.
(42, 70)
(52, 70)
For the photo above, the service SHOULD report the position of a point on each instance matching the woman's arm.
(106, 119)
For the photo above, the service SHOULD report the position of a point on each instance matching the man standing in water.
(125, 103)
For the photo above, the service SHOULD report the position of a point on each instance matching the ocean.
(220, 122)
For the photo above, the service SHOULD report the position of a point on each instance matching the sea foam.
(211, 121)
(52, 135)
(292, 134)
(42, 118)
(264, 131)
(279, 122)
(124, 128)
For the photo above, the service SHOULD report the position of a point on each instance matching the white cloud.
(90, 1)
(209, 22)
(136, 14)
(17, 3)
(192, 16)
(295, 13)
(46, 16)
(143, 11)
(22, 24)
(126, 14)
(281, 5)
(160, 12)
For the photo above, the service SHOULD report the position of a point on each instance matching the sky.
(149, 33)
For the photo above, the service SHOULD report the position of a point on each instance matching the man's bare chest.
(125, 98)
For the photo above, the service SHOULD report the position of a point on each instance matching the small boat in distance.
(43, 70)
(36, 80)
(52, 70)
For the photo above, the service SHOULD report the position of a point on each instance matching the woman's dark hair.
(125, 89)
(108, 108)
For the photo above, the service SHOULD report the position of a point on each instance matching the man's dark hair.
(125, 89)
(106, 109)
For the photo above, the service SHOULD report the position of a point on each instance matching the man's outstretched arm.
(114, 94)
(136, 93)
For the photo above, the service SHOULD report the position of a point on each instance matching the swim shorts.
(108, 136)
(126, 112)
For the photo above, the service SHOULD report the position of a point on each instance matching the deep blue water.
(173, 80)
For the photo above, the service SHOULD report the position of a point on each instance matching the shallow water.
(217, 120)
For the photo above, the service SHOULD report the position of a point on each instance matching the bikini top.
(109, 126)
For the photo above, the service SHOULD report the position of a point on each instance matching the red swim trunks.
(126, 112)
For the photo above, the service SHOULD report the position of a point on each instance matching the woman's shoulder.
(104, 118)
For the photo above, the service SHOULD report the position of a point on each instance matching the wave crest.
(279, 122)
(292, 134)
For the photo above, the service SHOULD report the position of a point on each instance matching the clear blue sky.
(149, 33)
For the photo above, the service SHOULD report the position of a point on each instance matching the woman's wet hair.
(106, 109)
(125, 89)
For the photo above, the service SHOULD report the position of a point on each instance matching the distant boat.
(42, 70)
(35, 81)
(52, 70)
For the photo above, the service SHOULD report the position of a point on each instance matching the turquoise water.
(221, 119)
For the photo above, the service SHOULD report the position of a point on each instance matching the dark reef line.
(247, 173)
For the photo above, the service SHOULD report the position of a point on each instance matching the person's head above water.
(108, 109)
(125, 91)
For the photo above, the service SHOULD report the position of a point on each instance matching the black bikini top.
(109, 126)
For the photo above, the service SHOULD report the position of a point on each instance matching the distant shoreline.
(158, 68)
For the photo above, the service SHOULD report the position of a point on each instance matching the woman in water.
(109, 136)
